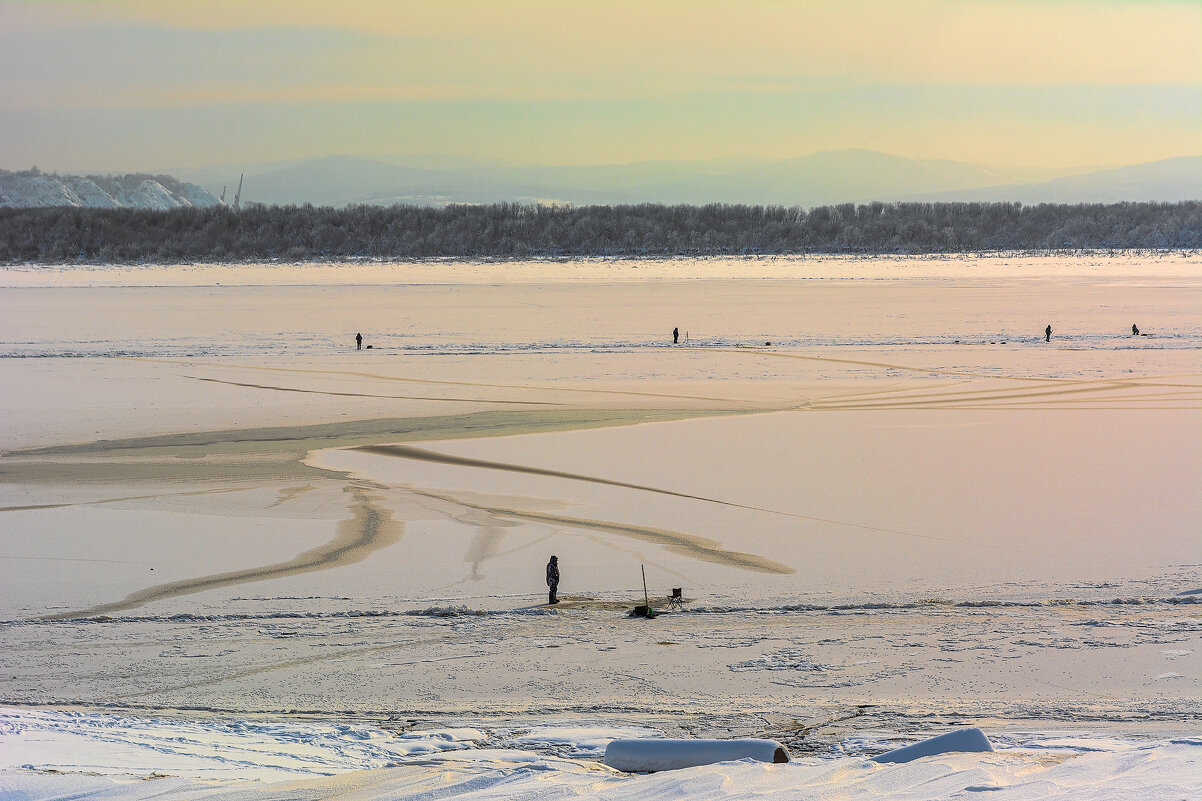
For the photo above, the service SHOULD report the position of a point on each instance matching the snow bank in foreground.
(206, 748)
(1156, 770)
(49, 754)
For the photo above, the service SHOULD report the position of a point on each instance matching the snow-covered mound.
(50, 754)
(32, 188)
(963, 740)
(647, 755)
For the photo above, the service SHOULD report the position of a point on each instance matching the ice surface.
(885, 527)
(579, 741)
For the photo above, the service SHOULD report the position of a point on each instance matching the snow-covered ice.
(236, 552)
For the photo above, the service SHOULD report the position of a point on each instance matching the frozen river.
(891, 505)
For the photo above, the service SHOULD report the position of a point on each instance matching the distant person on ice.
(1134, 330)
(358, 342)
(675, 336)
(553, 579)
(1047, 334)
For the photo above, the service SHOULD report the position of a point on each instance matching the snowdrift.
(962, 740)
(647, 755)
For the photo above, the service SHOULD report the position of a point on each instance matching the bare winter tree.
(508, 230)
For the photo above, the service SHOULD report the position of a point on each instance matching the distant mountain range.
(825, 178)
(32, 188)
(1167, 181)
(819, 179)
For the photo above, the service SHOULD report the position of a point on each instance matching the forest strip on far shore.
(63, 235)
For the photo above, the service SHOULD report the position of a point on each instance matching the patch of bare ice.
(1176, 652)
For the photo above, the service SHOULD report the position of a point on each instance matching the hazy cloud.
(113, 81)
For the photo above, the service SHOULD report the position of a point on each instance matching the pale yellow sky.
(110, 83)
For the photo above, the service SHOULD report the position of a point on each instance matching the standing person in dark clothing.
(358, 342)
(675, 336)
(553, 579)
(1134, 330)
(1047, 334)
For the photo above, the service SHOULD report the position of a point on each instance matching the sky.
(115, 85)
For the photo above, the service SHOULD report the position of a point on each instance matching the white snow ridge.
(34, 189)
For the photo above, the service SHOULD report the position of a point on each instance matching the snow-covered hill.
(133, 190)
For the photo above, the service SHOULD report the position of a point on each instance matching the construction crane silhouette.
(238, 194)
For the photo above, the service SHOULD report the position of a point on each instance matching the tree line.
(513, 231)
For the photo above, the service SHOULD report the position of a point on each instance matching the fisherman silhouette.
(1134, 330)
(553, 579)
(1047, 334)
(675, 336)
(358, 342)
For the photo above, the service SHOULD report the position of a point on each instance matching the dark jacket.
(552, 572)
